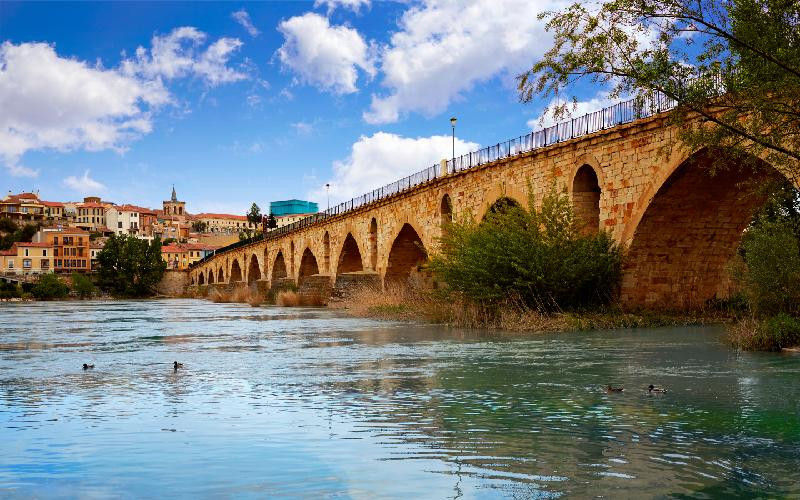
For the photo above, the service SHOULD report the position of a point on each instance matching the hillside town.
(66, 237)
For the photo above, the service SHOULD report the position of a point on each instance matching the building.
(124, 219)
(147, 219)
(225, 223)
(292, 207)
(173, 207)
(27, 258)
(181, 256)
(23, 207)
(70, 247)
(91, 214)
(54, 211)
(95, 247)
(285, 220)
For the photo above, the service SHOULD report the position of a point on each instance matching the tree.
(199, 226)
(272, 222)
(735, 65)
(129, 266)
(50, 286)
(254, 215)
(82, 285)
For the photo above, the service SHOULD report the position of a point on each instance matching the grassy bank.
(415, 304)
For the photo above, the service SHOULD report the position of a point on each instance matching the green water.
(308, 403)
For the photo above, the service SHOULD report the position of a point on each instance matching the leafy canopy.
(129, 266)
(735, 64)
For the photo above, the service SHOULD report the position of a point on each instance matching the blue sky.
(241, 102)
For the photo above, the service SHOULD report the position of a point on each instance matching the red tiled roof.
(220, 216)
(67, 229)
(21, 196)
(172, 249)
(91, 204)
(10, 252)
(52, 204)
(33, 244)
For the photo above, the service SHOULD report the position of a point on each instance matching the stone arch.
(211, 279)
(279, 267)
(446, 211)
(253, 270)
(687, 234)
(326, 252)
(586, 200)
(201, 278)
(406, 255)
(350, 256)
(236, 272)
(221, 275)
(308, 265)
(501, 204)
(373, 244)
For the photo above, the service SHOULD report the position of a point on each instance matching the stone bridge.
(680, 225)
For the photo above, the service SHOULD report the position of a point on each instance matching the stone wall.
(173, 284)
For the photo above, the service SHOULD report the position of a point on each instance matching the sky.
(237, 102)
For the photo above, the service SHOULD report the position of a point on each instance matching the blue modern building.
(292, 207)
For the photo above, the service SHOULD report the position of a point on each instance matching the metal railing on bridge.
(612, 116)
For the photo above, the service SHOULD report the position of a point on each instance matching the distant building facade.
(173, 207)
(27, 258)
(70, 247)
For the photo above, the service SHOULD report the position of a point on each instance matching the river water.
(311, 403)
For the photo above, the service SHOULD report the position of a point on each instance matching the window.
(55, 252)
(44, 252)
(11, 264)
(27, 252)
(119, 225)
(45, 263)
(55, 241)
(58, 263)
(26, 263)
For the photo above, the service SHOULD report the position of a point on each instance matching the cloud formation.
(53, 102)
(382, 158)
(84, 184)
(327, 57)
(242, 17)
(354, 5)
(445, 47)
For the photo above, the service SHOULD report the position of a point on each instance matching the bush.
(50, 287)
(770, 277)
(82, 285)
(770, 334)
(534, 256)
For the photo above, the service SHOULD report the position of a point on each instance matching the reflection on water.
(305, 402)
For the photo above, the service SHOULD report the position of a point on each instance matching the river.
(312, 403)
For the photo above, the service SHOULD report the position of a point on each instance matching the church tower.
(173, 207)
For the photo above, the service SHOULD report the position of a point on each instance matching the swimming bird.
(651, 389)
(614, 389)
(87, 366)
(176, 365)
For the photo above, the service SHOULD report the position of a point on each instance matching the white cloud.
(322, 55)
(383, 158)
(65, 104)
(178, 55)
(575, 110)
(445, 47)
(84, 184)
(354, 5)
(303, 128)
(53, 102)
(242, 17)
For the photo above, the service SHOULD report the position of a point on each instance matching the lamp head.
(453, 121)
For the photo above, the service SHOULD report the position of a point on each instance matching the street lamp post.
(453, 124)
(328, 194)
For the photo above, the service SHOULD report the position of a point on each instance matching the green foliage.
(770, 334)
(535, 256)
(7, 225)
(94, 235)
(770, 276)
(169, 241)
(9, 290)
(130, 267)
(82, 285)
(24, 233)
(50, 287)
(272, 222)
(199, 226)
(254, 215)
(689, 50)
